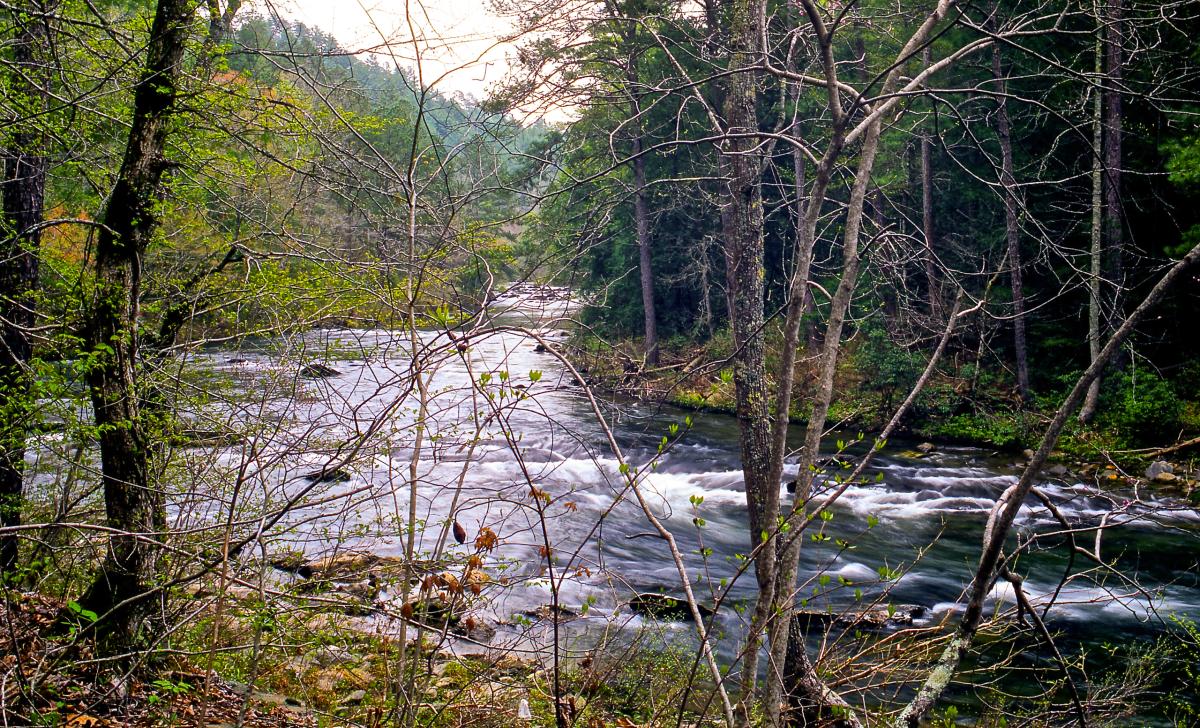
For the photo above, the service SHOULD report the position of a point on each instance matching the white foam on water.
(674, 490)
(856, 572)
(880, 501)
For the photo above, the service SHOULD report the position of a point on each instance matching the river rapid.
(910, 535)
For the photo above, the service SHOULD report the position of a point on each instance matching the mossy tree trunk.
(121, 593)
(742, 239)
(24, 189)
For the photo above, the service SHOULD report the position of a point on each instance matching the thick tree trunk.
(134, 505)
(24, 190)
(742, 233)
(1012, 234)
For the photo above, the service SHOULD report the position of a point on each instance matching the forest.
(727, 363)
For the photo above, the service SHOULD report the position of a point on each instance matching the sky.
(454, 33)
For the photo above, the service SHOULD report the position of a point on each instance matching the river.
(918, 521)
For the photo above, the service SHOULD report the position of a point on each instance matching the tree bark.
(1096, 254)
(931, 282)
(1113, 127)
(134, 505)
(24, 190)
(742, 233)
(1012, 233)
(640, 212)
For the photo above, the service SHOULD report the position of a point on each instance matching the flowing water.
(918, 521)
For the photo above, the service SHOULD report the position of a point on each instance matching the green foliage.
(889, 368)
(1140, 408)
(641, 682)
(1003, 429)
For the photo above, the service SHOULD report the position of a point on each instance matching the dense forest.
(734, 362)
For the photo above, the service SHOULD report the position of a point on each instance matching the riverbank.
(269, 660)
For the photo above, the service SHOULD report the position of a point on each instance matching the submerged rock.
(476, 628)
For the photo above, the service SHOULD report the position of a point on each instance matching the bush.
(889, 369)
(1142, 408)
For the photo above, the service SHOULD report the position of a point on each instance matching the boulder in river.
(665, 607)
(332, 475)
(1159, 468)
(926, 447)
(318, 371)
(546, 611)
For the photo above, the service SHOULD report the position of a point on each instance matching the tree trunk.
(23, 198)
(642, 219)
(742, 232)
(1113, 124)
(931, 282)
(1092, 400)
(134, 505)
(1011, 227)
(805, 251)
(641, 215)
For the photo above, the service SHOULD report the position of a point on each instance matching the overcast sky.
(455, 33)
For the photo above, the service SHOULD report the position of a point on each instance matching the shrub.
(1140, 408)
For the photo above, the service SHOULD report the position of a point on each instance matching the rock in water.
(318, 371)
(901, 615)
(336, 475)
(1158, 468)
(926, 447)
(665, 607)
